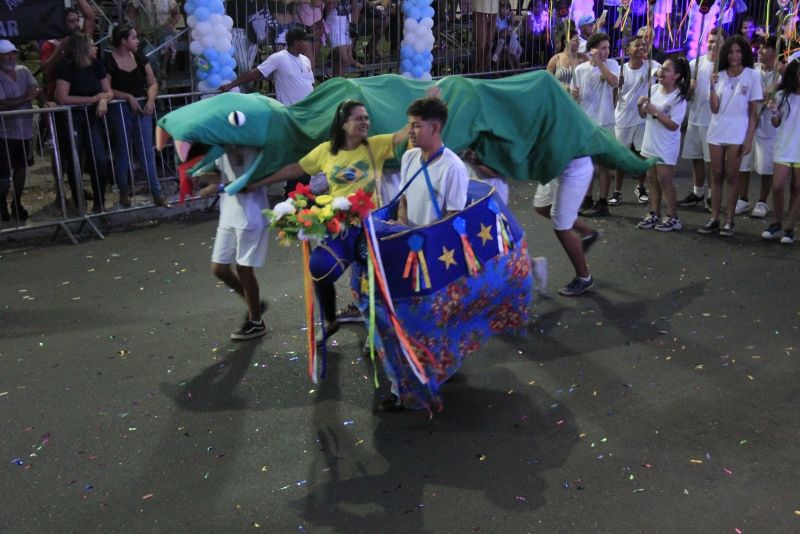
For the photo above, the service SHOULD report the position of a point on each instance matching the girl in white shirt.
(735, 92)
(785, 110)
(664, 112)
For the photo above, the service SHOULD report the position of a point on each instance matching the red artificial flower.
(303, 190)
(361, 203)
(334, 227)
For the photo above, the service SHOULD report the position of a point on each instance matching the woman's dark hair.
(789, 84)
(343, 112)
(561, 35)
(123, 31)
(744, 46)
(682, 69)
(79, 46)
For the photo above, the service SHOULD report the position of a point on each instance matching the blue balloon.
(406, 51)
(413, 13)
(215, 66)
(217, 8)
(202, 14)
(427, 66)
(201, 3)
(407, 7)
(227, 73)
(227, 60)
(406, 65)
(211, 54)
(416, 72)
(190, 6)
(214, 80)
(202, 75)
(426, 54)
(231, 51)
(417, 59)
(428, 12)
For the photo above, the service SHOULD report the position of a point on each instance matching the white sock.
(582, 279)
(700, 191)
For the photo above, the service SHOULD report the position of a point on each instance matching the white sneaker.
(741, 206)
(760, 210)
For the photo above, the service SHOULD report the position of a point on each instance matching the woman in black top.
(131, 120)
(81, 81)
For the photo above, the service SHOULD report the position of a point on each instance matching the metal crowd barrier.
(73, 180)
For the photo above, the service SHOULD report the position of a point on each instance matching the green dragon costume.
(524, 126)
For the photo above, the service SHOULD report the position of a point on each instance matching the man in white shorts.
(593, 87)
(241, 239)
(760, 159)
(695, 147)
(559, 200)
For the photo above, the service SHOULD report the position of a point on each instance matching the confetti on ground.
(148, 496)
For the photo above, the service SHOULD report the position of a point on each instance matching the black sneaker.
(727, 229)
(709, 228)
(616, 198)
(641, 194)
(788, 237)
(349, 314)
(576, 287)
(589, 240)
(773, 232)
(599, 209)
(691, 200)
(330, 329)
(587, 203)
(262, 307)
(250, 330)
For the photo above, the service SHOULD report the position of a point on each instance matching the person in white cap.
(17, 89)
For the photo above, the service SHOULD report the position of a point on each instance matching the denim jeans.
(131, 130)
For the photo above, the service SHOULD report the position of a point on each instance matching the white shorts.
(568, 195)
(340, 30)
(694, 143)
(545, 193)
(762, 156)
(630, 135)
(242, 247)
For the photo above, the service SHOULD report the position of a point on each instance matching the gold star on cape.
(447, 257)
(485, 234)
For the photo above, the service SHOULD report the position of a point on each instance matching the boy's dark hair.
(428, 109)
(596, 39)
(771, 42)
(295, 34)
(719, 30)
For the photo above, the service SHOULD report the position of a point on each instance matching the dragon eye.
(237, 118)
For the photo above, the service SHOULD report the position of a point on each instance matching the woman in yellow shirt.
(351, 160)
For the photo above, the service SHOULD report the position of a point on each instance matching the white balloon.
(404, 75)
(208, 41)
(215, 19)
(196, 35)
(227, 21)
(204, 27)
(221, 31)
(427, 76)
(419, 47)
(427, 22)
(222, 45)
(410, 24)
(192, 21)
(196, 48)
(203, 86)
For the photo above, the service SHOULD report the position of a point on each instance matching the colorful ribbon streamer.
(416, 266)
(308, 286)
(473, 265)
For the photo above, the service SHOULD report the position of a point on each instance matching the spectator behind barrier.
(81, 81)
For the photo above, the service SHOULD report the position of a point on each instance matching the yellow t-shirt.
(349, 170)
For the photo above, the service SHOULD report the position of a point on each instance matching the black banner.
(28, 20)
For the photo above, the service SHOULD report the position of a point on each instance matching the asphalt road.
(665, 400)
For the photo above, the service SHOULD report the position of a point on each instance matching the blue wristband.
(221, 189)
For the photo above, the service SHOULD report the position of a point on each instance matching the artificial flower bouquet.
(306, 217)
